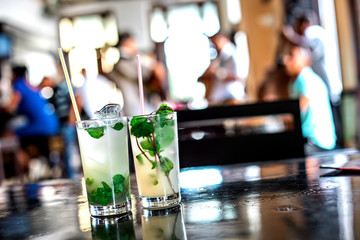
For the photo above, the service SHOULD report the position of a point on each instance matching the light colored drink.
(104, 155)
(154, 144)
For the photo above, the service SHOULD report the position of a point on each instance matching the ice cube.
(109, 111)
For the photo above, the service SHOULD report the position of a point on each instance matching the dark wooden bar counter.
(286, 199)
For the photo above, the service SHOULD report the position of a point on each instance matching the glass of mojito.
(154, 143)
(104, 155)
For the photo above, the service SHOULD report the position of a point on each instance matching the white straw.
(141, 90)
(69, 85)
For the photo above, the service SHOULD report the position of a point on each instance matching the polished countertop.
(285, 199)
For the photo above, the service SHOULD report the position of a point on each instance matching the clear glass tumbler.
(154, 143)
(105, 161)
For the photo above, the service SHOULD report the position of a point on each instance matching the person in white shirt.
(224, 85)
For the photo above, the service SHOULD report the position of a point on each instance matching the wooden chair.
(240, 133)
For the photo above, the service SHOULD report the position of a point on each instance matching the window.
(81, 36)
(184, 37)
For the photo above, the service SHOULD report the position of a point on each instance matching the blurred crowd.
(42, 117)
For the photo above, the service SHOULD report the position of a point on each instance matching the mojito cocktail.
(104, 155)
(154, 143)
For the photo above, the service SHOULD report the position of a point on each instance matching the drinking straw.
(141, 90)
(69, 85)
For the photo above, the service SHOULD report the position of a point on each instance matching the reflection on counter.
(204, 177)
(163, 224)
(112, 228)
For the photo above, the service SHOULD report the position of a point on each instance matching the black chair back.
(240, 133)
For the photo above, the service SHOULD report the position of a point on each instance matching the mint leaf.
(103, 200)
(118, 178)
(89, 181)
(101, 196)
(119, 183)
(106, 187)
(164, 120)
(154, 179)
(141, 127)
(153, 164)
(151, 153)
(96, 132)
(157, 146)
(140, 159)
(164, 136)
(118, 126)
(146, 145)
(166, 165)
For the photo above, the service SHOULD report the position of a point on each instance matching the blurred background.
(173, 39)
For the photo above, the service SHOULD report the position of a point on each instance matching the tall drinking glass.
(154, 143)
(104, 155)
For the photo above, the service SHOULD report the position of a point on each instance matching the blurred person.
(98, 91)
(5, 98)
(275, 86)
(324, 59)
(62, 103)
(316, 115)
(221, 78)
(41, 121)
(125, 75)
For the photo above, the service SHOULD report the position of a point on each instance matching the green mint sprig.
(162, 115)
(157, 134)
(141, 127)
(164, 109)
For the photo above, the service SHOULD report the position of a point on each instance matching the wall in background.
(262, 22)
